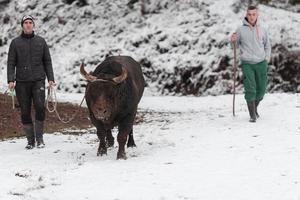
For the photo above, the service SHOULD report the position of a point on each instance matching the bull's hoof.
(110, 143)
(129, 144)
(102, 151)
(121, 156)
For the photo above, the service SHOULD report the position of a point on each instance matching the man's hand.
(51, 83)
(233, 37)
(11, 85)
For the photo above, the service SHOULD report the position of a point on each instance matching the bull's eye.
(110, 96)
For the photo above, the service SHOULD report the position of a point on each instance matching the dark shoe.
(251, 109)
(39, 131)
(256, 105)
(28, 129)
(40, 144)
(252, 120)
(29, 146)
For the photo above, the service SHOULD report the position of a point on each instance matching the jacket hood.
(246, 23)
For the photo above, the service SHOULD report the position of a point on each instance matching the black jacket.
(29, 59)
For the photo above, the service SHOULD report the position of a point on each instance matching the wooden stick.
(234, 77)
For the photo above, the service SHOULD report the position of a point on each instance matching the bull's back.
(135, 74)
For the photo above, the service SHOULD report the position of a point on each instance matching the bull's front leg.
(124, 130)
(122, 138)
(101, 133)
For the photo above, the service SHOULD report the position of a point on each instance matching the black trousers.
(28, 92)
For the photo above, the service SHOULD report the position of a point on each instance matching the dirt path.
(10, 121)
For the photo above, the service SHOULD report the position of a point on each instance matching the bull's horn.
(87, 76)
(122, 77)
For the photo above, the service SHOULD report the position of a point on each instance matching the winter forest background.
(182, 44)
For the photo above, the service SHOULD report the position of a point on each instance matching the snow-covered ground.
(187, 148)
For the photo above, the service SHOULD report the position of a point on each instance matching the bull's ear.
(122, 77)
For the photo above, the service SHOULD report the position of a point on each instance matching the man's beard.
(27, 31)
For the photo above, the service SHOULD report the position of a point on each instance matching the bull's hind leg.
(131, 142)
(109, 139)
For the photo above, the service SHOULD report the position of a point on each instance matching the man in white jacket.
(255, 51)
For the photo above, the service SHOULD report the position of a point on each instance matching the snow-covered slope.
(182, 45)
(189, 148)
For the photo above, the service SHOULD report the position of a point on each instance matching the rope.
(51, 97)
(12, 93)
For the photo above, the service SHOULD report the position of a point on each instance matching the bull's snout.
(102, 114)
(102, 109)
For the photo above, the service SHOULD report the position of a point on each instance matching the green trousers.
(255, 80)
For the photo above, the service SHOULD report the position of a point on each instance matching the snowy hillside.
(182, 45)
(185, 150)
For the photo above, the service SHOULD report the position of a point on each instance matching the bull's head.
(102, 95)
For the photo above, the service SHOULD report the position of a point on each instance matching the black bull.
(113, 92)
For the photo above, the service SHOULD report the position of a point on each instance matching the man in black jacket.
(29, 63)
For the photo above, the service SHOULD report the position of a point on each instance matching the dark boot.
(256, 105)
(39, 131)
(251, 108)
(28, 129)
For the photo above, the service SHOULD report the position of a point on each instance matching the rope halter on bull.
(116, 80)
(51, 96)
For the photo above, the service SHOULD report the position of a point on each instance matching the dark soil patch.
(10, 120)
(10, 124)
